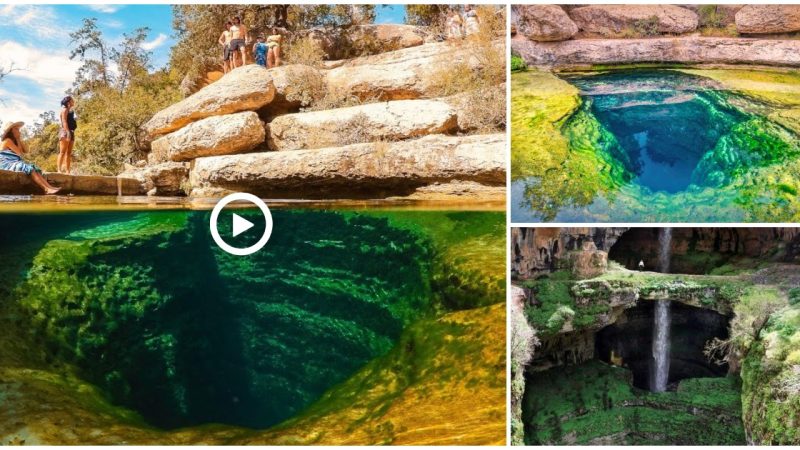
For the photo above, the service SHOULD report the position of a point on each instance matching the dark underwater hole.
(664, 121)
(630, 341)
(184, 334)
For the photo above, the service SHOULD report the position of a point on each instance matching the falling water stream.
(662, 320)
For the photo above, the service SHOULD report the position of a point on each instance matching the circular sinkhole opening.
(152, 312)
(629, 343)
(664, 121)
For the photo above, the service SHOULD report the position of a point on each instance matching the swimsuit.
(13, 162)
(261, 54)
(72, 125)
(236, 44)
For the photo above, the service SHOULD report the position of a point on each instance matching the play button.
(240, 225)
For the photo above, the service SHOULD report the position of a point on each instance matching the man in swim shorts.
(238, 43)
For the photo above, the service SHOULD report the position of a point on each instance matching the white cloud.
(51, 70)
(33, 21)
(105, 9)
(155, 43)
(15, 107)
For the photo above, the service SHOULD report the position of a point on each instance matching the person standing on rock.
(472, 23)
(260, 51)
(274, 44)
(455, 26)
(66, 136)
(11, 151)
(225, 41)
(238, 42)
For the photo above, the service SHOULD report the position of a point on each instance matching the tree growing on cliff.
(522, 341)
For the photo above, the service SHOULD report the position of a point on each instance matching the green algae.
(595, 403)
(750, 174)
(163, 322)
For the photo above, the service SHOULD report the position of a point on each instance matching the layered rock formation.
(690, 50)
(367, 170)
(350, 152)
(611, 19)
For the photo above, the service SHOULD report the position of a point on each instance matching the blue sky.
(35, 39)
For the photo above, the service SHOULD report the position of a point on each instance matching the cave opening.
(628, 343)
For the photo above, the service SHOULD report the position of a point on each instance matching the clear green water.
(676, 147)
(146, 306)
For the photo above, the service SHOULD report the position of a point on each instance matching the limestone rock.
(165, 179)
(246, 88)
(708, 50)
(402, 119)
(339, 43)
(17, 183)
(768, 19)
(218, 135)
(401, 74)
(613, 19)
(372, 170)
(544, 22)
(725, 14)
(457, 191)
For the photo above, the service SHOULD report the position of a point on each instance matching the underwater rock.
(388, 121)
(212, 136)
(372, 170)
(610, 20)
(544, 22)
(768, 19)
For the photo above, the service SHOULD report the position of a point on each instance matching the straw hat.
(10, 126)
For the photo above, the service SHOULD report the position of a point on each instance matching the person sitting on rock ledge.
(11, 157)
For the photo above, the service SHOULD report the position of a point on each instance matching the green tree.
(93, 51)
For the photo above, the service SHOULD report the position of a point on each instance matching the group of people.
(13, 149)
(235, 39)
(459, 26)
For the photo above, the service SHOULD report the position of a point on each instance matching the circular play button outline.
(267, 228)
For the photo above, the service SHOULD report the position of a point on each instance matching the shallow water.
(149, 310)
(668, 146)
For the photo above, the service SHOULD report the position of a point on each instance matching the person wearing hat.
(11, 150)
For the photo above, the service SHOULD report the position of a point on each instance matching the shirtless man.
(238, 42)
(225, 42)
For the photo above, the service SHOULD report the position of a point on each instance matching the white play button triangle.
(240, 225)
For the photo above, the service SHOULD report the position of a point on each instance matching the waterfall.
(662, 320)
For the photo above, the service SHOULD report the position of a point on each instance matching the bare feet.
(51, 190)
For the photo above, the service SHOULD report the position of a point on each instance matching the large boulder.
(218, 135)
(543, 22)
(612, 19)
(372, 170)
(167, 179)
(398, 75)
(768, 19)
(386, 121)
(690, 50)
(246, 88)
(339, 43)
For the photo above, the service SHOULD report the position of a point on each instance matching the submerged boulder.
(544, 22)
(371, 170)
(768, 19)
(246, 88)
(219, 135)
(403, 119)
(613, 19)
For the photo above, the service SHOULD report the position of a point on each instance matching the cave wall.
(698, 250)
(537, 251)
